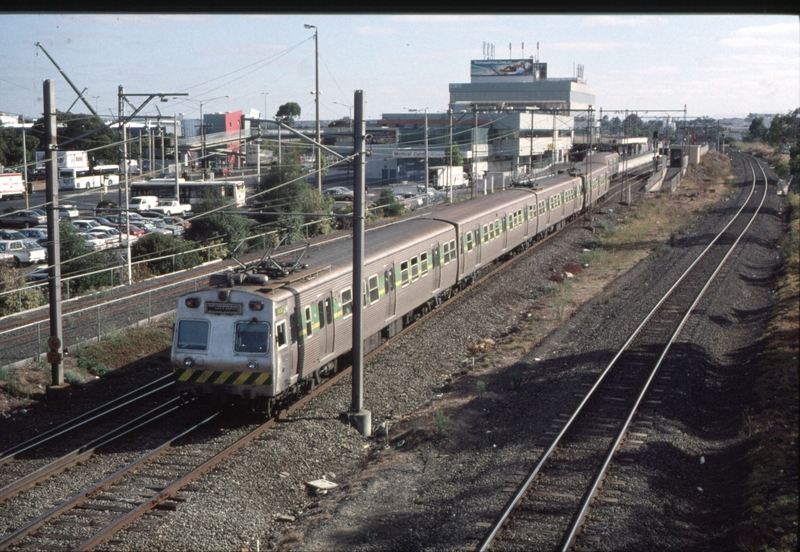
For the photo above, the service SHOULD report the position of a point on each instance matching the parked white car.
(14, 251)
(143, 203)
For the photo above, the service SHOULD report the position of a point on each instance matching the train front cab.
(223, 344)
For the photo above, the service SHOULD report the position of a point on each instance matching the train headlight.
(256, 305)
(252, 365)
(188, 362)
(193, 302)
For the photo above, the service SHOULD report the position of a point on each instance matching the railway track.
(548, 509)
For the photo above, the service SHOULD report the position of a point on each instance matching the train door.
(324, 319)
(285, 342)
(434, 266)
(389, 290)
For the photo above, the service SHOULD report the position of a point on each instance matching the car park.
(15, 252)
(339, 193)
(178, 221)
(37, 233)
(11, 235)
(36, 253)
(38, 275)
(68, 211)
(23, 219)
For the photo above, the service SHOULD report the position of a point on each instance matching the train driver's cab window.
(251, 337)
(193, 335)
(309, 322)
(347, 302)
(280, 334)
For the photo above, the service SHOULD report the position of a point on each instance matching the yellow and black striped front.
(190, 375)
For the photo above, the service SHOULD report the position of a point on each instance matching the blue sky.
(716, 65)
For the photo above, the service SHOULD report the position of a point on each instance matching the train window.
(309, 322)
(452, 250)
(414, 269)
(470, 238)
(347, 302)
(328, 311)
(542, 207)
(193, 335)
(497, 228)
(404, 274)
(387, 281)
(321, 314)
(251, 337)
(423, 264)
(280, 334)
(293, 326)
(435, 258)
(445, 253)
(485, 236)
(374, 293)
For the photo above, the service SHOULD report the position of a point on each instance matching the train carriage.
(262, 336)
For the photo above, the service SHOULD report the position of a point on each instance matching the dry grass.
(771, 514)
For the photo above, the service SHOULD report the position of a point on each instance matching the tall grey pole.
(177, 159)
(450, 164)
(25, 162)
(427, 174)
(53, 245)
(127, 181)
(360, 419)
(319, 138)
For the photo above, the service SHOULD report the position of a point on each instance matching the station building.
(509, 119)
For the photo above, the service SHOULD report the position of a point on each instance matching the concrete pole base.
(362, 421)
(58, 392)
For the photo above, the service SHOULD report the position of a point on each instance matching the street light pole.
(264, 116)
(316, 78)
(426, 146)
(203, 134)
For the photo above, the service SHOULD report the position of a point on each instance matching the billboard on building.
(507, 68)
(381, 137)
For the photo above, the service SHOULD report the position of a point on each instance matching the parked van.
(142, 203)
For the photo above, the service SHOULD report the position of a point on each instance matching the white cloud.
(368, 30)
(441, 18)
(629, 21)
(769, 30)
(593, 46)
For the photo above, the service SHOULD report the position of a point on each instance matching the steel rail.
(85, 452)
(484, 545)
(87, 493)
(576, 524)
(86, 417)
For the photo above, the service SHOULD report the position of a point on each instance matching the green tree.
(77, 260)
(783, 129)
(757, 129)
(24, 299)
(159, 245)
(343, 122)
(289, 110)
(103, 145)
(11, 150)
(215, 223)
(794, 159)
(389, 204)
(285, 191)
(454, 157)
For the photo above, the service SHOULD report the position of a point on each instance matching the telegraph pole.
(55, 354)
(359, 418)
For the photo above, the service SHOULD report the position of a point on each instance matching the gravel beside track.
(431, 491)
